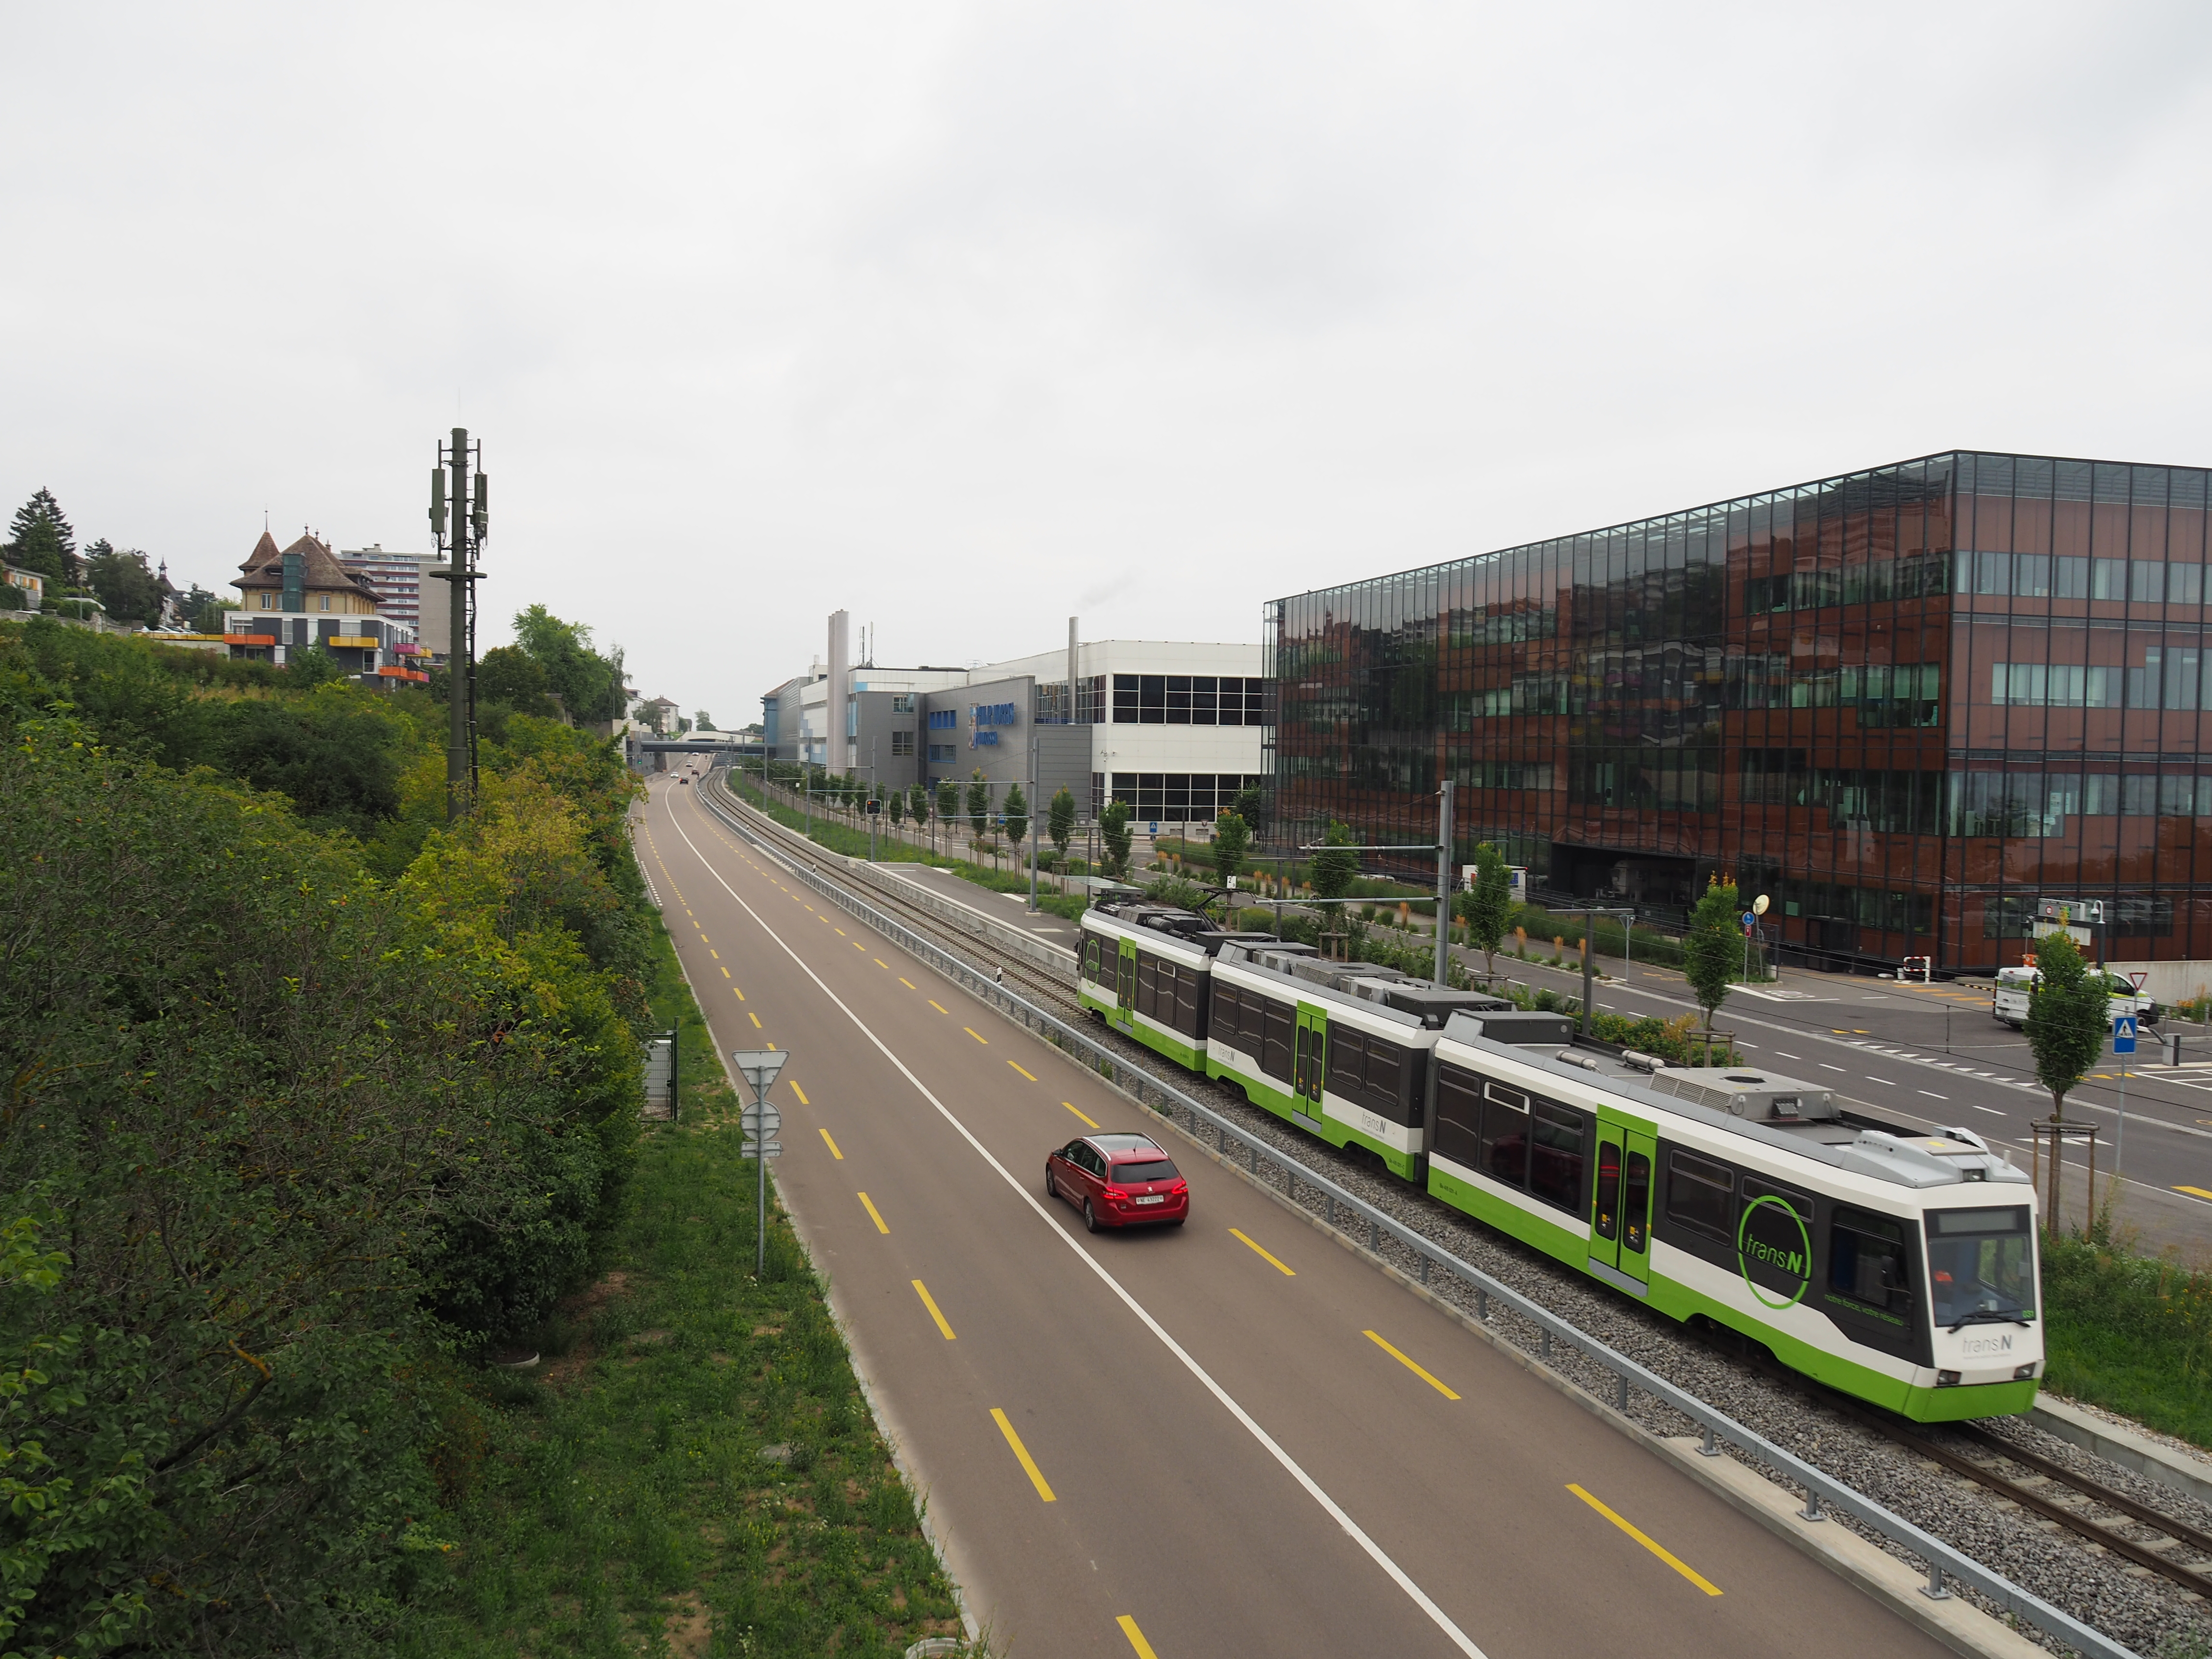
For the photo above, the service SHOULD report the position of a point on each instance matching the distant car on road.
(2009, 1004)
(1119, 1181)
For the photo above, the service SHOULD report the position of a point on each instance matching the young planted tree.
(1232, 840)
(1016, 807)
(948, 800)
(978, 803)
(2066, 1026)
(1060, 822)
(1336, 865)
(896, 806)
(1114, 838)
(1712, 949)
(917, 804)
(1490, 906)
(1251, 805)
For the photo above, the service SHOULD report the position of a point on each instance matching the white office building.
(1174, 728)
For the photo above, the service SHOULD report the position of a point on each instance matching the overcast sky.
(969, 317)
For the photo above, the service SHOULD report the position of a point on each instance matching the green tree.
(896, 806)
(979, 802)
(948, 800)
(1490, 906)
(508, 674)
(1016, 808)
(1060, 821)
(40, 538)
(1712, 949)
(1114, 838)
(1334, 867)
(125, 586)
(309, 665)
(203, 611)
(13, 598)
(589, 684)
(1231, 840)
(2066, 1026)
(701, 721)
(1249, 804)
(917, 804)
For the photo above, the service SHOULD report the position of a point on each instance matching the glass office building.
(1905, 703)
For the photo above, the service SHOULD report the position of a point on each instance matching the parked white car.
(2015, 985)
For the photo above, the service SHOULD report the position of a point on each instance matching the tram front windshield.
(1981, 1265)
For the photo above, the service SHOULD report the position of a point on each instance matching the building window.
(1179, 797)
(902, 744)
(268, 601)
(902, 703)
(942, 753)
(326, 601)
(1188, 700)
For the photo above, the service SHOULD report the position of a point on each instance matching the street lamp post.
(1034, 816)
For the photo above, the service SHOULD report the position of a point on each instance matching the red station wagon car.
(1118, 1180)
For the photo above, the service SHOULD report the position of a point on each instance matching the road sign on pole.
(759, 1066)
(2138, 980)
(2124, 1033)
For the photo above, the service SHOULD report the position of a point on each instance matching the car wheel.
(1178, 1221)
(1090, 1216)
(1051, 1186)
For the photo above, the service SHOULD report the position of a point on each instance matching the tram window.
(1275, 1049)
(1091, 957)
(1225, 1010)
(1606, 1213)
(1867, 1261)
(1700, 1194)
(1636, 1204)
(1345, 1051)
(1386, 1064)
(1148, 986)
(1979, 1262)
(1555, 1157)
(1459, 1117)
(1189, 988)
(1505, 1134)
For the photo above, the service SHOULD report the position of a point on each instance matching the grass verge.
(853, 844)
(2130, 1333)
(691, 1470)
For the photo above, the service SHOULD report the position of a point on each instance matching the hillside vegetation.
(309, 1099)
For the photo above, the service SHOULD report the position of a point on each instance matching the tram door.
(1620, 1196)
(1125, 985)
(1308, 1057)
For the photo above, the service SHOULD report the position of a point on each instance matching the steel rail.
(1945, 1563)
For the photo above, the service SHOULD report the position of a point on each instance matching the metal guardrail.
(1822, 1491)
(1039, 952)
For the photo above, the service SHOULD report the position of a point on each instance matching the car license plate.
(1151, 1198)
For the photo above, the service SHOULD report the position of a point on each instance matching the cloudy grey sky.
(968, 316)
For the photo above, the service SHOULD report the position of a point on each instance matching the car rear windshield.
(1158, 1169)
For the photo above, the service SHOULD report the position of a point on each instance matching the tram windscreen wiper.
(1992, 1316)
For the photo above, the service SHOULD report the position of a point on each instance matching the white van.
(2014, 985)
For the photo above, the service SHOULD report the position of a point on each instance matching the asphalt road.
(1230, 1438)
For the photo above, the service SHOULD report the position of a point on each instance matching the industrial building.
(1172, 728)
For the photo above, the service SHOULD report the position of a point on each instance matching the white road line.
(1786, 1054)
(1824, 1066)
(1883, 1081)
(1991, 1110)
(1932, 1094)
(1329, 1505)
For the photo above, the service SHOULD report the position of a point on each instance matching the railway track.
(2039, 1490)
(2030, 1491)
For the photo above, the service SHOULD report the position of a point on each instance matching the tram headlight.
(2021, 1373)
(1947, 1379)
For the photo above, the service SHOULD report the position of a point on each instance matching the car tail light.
(1116, 1195)
(1180, 1187)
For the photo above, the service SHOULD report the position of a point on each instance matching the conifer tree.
(40, 538)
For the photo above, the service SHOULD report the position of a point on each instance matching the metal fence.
(1354, 1216)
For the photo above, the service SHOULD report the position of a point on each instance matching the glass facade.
(1905, 703)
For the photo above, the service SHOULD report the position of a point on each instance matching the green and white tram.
(1895, 1266)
